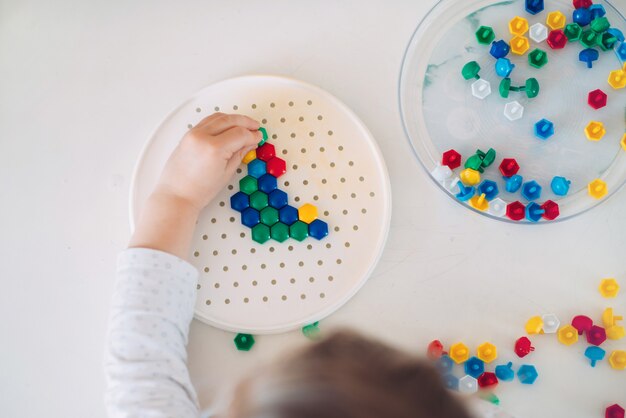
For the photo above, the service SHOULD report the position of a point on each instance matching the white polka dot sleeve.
(146, 356)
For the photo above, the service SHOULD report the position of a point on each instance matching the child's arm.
(155, 290)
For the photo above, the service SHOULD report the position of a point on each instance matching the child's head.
(346, 376)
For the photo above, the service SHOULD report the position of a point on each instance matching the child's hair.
(347, 376)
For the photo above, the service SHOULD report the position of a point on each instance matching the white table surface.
(82, 85)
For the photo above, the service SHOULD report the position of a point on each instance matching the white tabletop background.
(82, 85)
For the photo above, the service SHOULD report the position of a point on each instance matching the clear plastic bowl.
(439, 112)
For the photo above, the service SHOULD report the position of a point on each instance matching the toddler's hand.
(207, 157)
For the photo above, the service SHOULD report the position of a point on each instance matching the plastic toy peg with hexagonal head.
(594, 354)
(505, 372)
(459, 352)
(513, 110)
(497, 207)
(573, 32)
(450, 382)
(567, 335)
(600, 24)
(307, 213)
(607, 41)
(487, 157)
(513, 183)
(258, 200)
(617, 359)
(444, 364)
(519, 45)
(616, 332)
(475, 162)
(516, 211)
(277, 199)
(557, 39)
(470, 70)
(518, 26)
(617, 79)
(264, 136)
(530, 87)
(244, 342)
(299, 231)
(582, 323)
(531, 190)
(623, 142)
(434, 350)
(267, 183)
(582, 4)
(250, 217)
(489, 397)
(504, 67)
(480, 202)
(537, 58)
(556, 20)
(588, 56)
(534, 6)
(597, 189)
(614, 411)
(256, 168)
(474, 367)
(261, 233)
(538, 32)
(509, 167)
(485, 35)
(560, 185)
(589, 39)
(451, 158)
(248, 185)
(276, 167)
(487, 352)
(451, 184)
(441, 172)
(487, 380)
(534, 325)
(609, 288)
(499, 49)
(597, 10)
(279, 232)
(318, 229)
(550, 323)
(481, 88)
(581, 17)
(468, 384)
(269, 216)
(551, 210)
(288, 215)
(544, 129)
(250, 155)
(311, 331)
(239, 201)
(596, 335)
(523, 347)
(489, 188)
(266, 152)
(534, 212)
(527, 374)
(465, 192)
(470, 177)
(597, 99)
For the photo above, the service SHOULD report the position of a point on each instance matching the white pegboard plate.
(332, 162)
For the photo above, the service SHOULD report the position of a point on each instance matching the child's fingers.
(223, 123)
(237, 138)
(235, 160)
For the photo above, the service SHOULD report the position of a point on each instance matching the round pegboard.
(332, 162)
